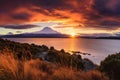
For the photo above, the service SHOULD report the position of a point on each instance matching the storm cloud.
(98, 14)
(18, 26)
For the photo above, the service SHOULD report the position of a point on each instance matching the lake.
(98, 48)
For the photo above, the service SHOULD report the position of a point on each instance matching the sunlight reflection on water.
(98, 48)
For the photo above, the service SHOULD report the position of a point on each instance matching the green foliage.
(25, 51)
(52, 48)
(65, 59)
(111, 66)
(21, 50)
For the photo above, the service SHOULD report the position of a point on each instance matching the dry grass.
(67, 74)
(12, 69)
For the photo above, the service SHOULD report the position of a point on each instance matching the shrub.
(73, 61)
(111, 66)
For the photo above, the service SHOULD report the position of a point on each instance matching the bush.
(22, 50)
(111, 66)
(73, 61)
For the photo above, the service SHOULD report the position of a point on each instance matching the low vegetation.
(35, 69)
(111, 66)
(22, 50)
(25, 51)
(22, 61)
(65, 59)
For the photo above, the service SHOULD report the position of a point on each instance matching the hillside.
(32, 51)
(38, 62)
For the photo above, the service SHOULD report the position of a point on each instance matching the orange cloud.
(97, 14)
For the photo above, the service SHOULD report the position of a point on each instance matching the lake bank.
(99, 49)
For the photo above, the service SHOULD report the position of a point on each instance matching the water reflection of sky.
(98, 48)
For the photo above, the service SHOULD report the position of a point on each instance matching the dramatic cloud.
(21, 16)
(97, 14)
(18, 26)
(107, 7)
(18, 31)
(97, 35)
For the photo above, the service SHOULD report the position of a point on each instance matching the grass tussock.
(14, 69)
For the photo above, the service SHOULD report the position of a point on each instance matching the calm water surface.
(98, 48)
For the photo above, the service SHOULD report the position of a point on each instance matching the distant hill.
(93, 37)
(36, 36)
(44, 33)
(48, 32)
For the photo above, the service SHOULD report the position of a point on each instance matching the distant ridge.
(48, 32)
(44, 33)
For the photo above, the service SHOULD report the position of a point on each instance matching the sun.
(73, 34)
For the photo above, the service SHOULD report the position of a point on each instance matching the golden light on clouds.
(84, 16)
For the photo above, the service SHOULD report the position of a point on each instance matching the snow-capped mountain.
(44, 33)
(47, 30)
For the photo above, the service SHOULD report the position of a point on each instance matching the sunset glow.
(86, 16)
(73, 34)
(47, 39)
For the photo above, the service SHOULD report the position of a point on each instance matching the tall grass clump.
(67, 74)
(12, 68)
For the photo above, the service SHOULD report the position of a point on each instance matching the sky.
(66, 16)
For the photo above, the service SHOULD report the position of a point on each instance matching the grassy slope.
(19, 62)
(12, 69)
(29, 51)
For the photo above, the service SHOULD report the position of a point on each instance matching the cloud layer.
(19, 26)
(97, 14)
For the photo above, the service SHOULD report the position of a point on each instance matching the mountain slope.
(47, 30)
